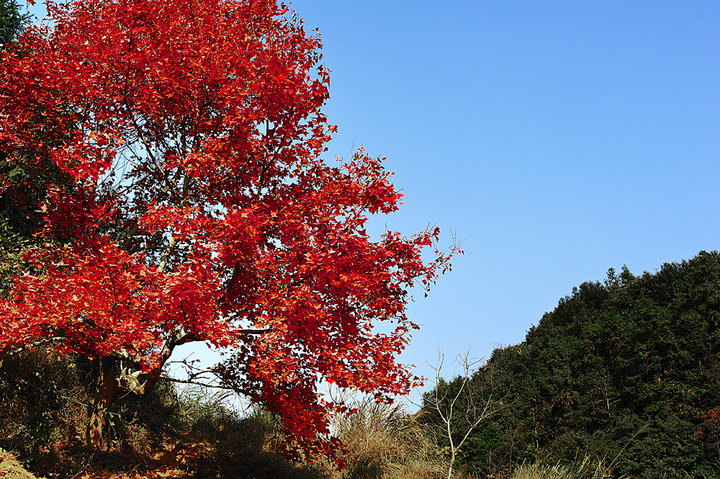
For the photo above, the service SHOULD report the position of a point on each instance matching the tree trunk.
(107, 387)
(452, 463)
(112, 377)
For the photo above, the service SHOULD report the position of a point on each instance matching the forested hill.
(627, 370)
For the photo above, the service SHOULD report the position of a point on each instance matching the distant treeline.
(627, 370)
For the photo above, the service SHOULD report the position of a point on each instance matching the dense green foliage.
(11, 21)
(627, 371)
(11, 244)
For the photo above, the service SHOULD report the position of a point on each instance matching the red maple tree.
(196, 206)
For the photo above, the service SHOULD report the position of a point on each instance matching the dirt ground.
(11, 469)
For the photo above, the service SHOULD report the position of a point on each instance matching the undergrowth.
(192, 433)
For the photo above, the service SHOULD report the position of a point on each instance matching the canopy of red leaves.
(197, 205)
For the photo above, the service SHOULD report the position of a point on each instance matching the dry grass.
(582, 471)
(585, 469)
(10, 468)
(383, 441)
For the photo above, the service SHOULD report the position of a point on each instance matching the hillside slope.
(627, 370)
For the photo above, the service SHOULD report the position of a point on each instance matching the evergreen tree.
(11, 24)
(11, 21)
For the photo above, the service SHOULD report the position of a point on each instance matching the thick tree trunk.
(112, 377)
(107, 387)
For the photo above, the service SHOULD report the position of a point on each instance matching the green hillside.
(627, 370)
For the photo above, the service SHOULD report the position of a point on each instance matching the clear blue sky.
(556, 138)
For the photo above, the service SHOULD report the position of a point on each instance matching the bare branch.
(475, 413)
(166, 254)
(194, 382)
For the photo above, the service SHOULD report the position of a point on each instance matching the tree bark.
(106, 390)
(112, 378)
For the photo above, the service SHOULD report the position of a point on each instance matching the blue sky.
(556, 138)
